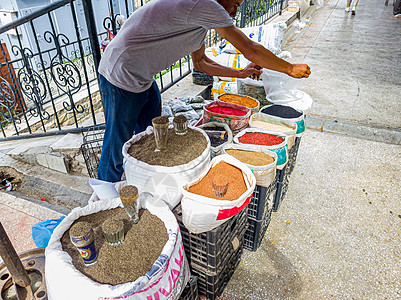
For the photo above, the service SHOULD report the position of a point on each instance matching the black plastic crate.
(282, 179)
(190, 291)
(210, 251)
(259, 215)
(92, 148)
(293, 154)
(257, 208)
(212, 286)
(256, 231)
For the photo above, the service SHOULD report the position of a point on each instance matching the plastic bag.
(166, 111)
(221, 87)
(284, 90)
(319, 3)
(42, 231)
(269, 35)
(107, 40)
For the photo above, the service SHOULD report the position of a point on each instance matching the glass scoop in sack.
(128, 196)
(220, 185)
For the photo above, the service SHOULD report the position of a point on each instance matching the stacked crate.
(190, 291)
(214, 255)
(259, 215)
(283, 176)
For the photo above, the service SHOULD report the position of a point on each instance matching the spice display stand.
(259, 215)
(214, 255)
(190, 291)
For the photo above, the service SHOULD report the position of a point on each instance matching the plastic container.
(236, 123)
(280, 88)
(241, 100)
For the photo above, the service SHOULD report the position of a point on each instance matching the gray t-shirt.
(157, 35)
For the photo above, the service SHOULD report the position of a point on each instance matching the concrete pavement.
(337, 233)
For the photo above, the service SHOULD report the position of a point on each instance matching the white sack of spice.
(141, 174)
(169, 273)
(201, 214)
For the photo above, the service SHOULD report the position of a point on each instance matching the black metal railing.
(48, 77)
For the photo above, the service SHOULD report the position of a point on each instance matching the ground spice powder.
(258, 138)
(236, 185)
(271, 126)
(236, 99)
(227, 111)
(251, 157)
(143, 244)
(181, 149)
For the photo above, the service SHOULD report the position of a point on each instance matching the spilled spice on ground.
(181, 149)
(258, 138)
(236, 186)
(142, 246)
(253, 158)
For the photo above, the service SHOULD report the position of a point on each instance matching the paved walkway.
(337, 234)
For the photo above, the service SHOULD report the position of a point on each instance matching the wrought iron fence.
(48, 78)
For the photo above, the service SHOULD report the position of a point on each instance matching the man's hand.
(299, 71)
(252, 70)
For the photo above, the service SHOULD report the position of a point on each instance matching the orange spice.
(236, 185)
(240, 100)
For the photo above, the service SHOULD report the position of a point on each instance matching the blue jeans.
(126, 113)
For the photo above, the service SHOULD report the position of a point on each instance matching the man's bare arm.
(261, 56)
(204, 64)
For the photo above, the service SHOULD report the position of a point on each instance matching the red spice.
(258, 138)
(227, 111)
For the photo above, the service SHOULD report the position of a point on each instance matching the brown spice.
(251, 157)
(142, 245)
(240, 100)
(236, 185)
(180, 119)
(80, 229)
(181, 149)
(112, 225)
(128, 193)
(160, 120)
